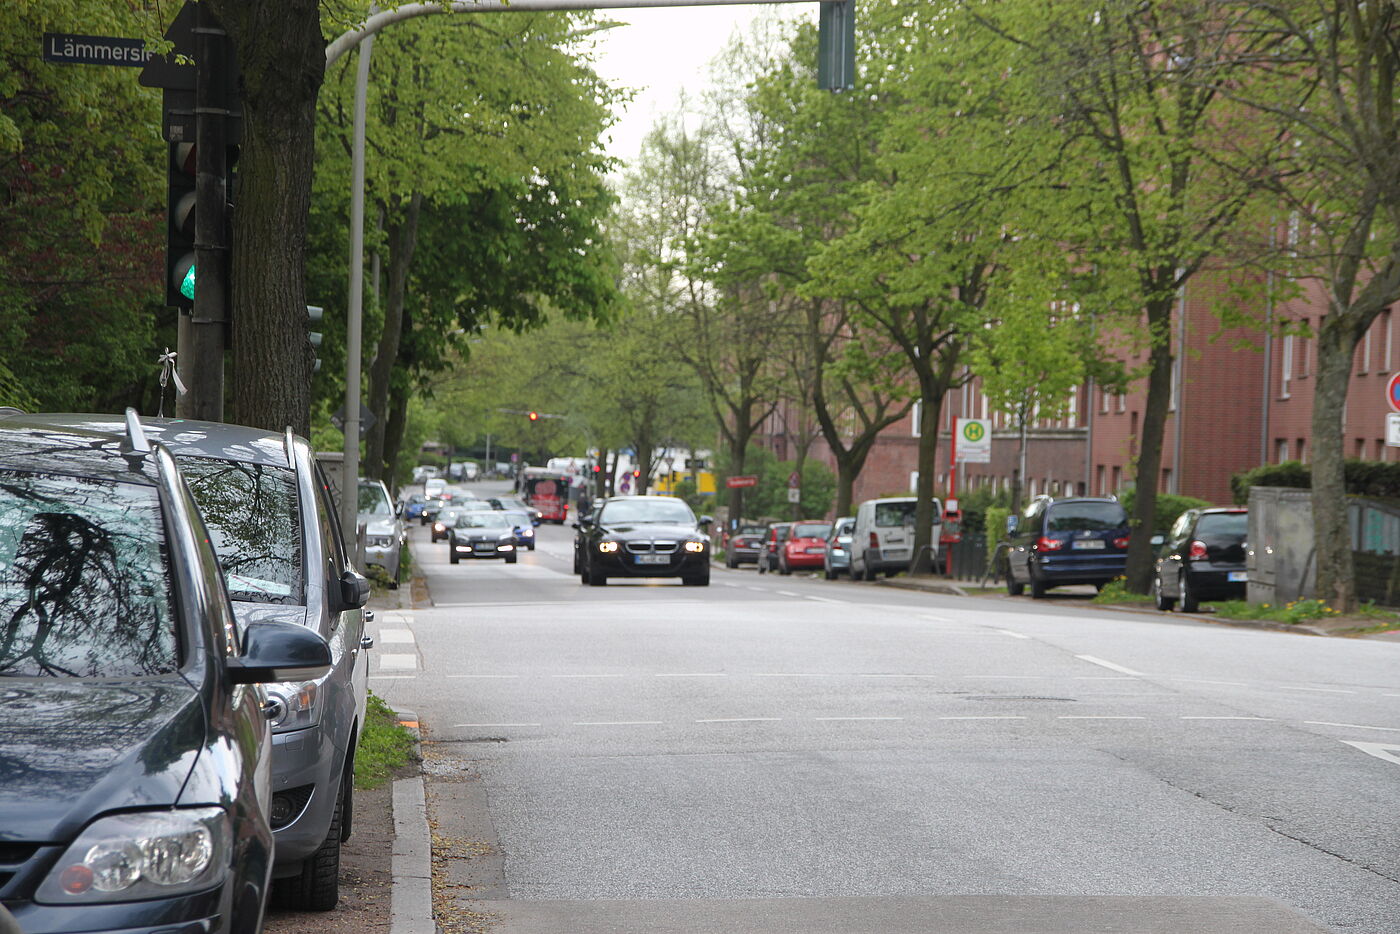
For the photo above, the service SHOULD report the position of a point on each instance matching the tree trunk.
(396, 422)
(1336, 574)
(272, 357)
(402, 240)
(928, 466)
(1149, 461)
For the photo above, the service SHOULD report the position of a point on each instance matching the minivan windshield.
(670, 511)
(84, 580)
(893, 515)
(1085, 517)
(251, 512)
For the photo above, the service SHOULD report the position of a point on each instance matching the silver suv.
(273, 525)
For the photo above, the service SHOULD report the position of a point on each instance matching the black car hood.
(72, 749)
(650, 530)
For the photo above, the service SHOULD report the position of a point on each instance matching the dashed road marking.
(1086, 717)
(1285, 687)
(392, 677)
(1014, 635)
(397, 662)
(618, 723)
(741, 720)
(785, 593)
(829, 719)
(1353, 726)
(1260, 719)
(483, 676)
(690, 674)
(1109, 665)
(996, 717)
(395, 635)
(475, 726)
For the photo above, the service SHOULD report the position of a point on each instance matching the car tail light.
(1198, 549)
(1048, 544)
(1121, 542)
(874, 539)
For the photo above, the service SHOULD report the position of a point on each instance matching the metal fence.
(968, 558)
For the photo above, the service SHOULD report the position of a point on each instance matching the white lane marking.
(483, 676)
(936, 619)
(759, 589)
(1353, 726)
(982, 718)
(1285, 687)
(1233, 684)
(825, 599)
(1109, 665)
(588, 676)
(463, 726)
(896, 676)
(1082, 717)
(617, 723)
(395, 635)
(403, 618)
(785, 593)
(397, 662)
(741, 720)
(690, 674)
(1014, 635)
(1103, 678)
(392, 677)
(1264, 719)
(1379, 750)
(1011, 677)
(828, 719)
(789, 674)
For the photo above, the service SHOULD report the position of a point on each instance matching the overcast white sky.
(662, 51)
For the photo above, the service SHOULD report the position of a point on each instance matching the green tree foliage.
(82, 204)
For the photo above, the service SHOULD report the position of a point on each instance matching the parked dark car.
(837, 556)
(742, 547)
(273, 525)
(772, 544)
(482, 533)
(804, 547)
(134, 756)
(1076, 540)
(642, 536)
(1202, 559)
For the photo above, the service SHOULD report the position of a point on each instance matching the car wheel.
(830, 574)
(1189, 601)
(454, 557)
(731, 562)
(583, 576)
(512, 558)
(1013, 587)
(595, 579)
(347, 784)
(697, 580)
(317, 886)
(531, 546)
(1163, 602)
(783, 568)
(1038, 586)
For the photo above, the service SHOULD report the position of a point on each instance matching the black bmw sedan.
(642, 536)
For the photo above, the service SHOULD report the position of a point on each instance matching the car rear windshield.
(1226, 525)
(84, 580)
(810, 530)
(1085, 517)
(251, 512)
(893, 515)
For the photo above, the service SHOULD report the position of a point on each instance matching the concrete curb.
(411, 898)
(943, 587)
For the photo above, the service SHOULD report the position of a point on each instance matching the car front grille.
(13, 856)
(646, 548)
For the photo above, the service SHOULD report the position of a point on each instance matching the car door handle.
(366, 642)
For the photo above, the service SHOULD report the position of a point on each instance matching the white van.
(433, 486)
(883, 539)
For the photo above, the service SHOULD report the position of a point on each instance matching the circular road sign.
(973, 431)
(1392, 392)
(794, 480)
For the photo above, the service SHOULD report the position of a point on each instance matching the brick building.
(1241, 397)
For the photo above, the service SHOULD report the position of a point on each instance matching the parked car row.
(184, 658)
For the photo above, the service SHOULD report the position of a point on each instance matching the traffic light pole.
(209, 321)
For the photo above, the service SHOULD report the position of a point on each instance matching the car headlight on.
(438, 527)
(293, 705)
(527, 533)
(695, 547)
(607, 548)
(152, 854)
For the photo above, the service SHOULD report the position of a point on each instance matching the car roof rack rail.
(288, 441)
(135, 434)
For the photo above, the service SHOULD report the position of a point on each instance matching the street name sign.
(736, 482)
(972, 439)
(1392, 429)
(96, 50)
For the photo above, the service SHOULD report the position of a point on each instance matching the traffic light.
(636, 473)
(314, 314)
(836, 46)
(534, 416)
(179, 234)
(597, 468)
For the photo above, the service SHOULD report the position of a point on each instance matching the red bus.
(547, 491)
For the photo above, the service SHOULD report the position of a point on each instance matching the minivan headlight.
(294, 705)
(151, 854)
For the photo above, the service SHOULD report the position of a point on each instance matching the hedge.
(1363, 478)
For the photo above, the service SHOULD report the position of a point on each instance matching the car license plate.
(1237, 576)
(816, 551)
(1089, 544)
(653, 559)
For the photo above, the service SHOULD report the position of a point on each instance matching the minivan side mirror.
(354, 590)
(280, 651)
(1012, 523)
(705, 520)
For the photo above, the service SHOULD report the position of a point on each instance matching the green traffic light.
(187, 284)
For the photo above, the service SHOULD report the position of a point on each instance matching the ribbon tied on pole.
(167, 373)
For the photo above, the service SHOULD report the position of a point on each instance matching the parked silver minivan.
(883, 537)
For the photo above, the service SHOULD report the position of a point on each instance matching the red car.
(805, 547)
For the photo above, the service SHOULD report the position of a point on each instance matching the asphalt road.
(786, 753)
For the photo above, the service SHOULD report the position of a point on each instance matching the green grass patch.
(1116, 591)
(384, 745)
(1301, 611)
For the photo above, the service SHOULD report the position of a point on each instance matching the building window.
(1361, 449)
(1117, 479)
(1122, 402)
(1281, 447)
(1305, 353)
(1363, 365)
(1382, 450)
(1303, 450)
(1166, 479)
(1072, 413)
(1098, 481)
(1287, 368)
(1385, 346)
(916, 417)
(1104, 409)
